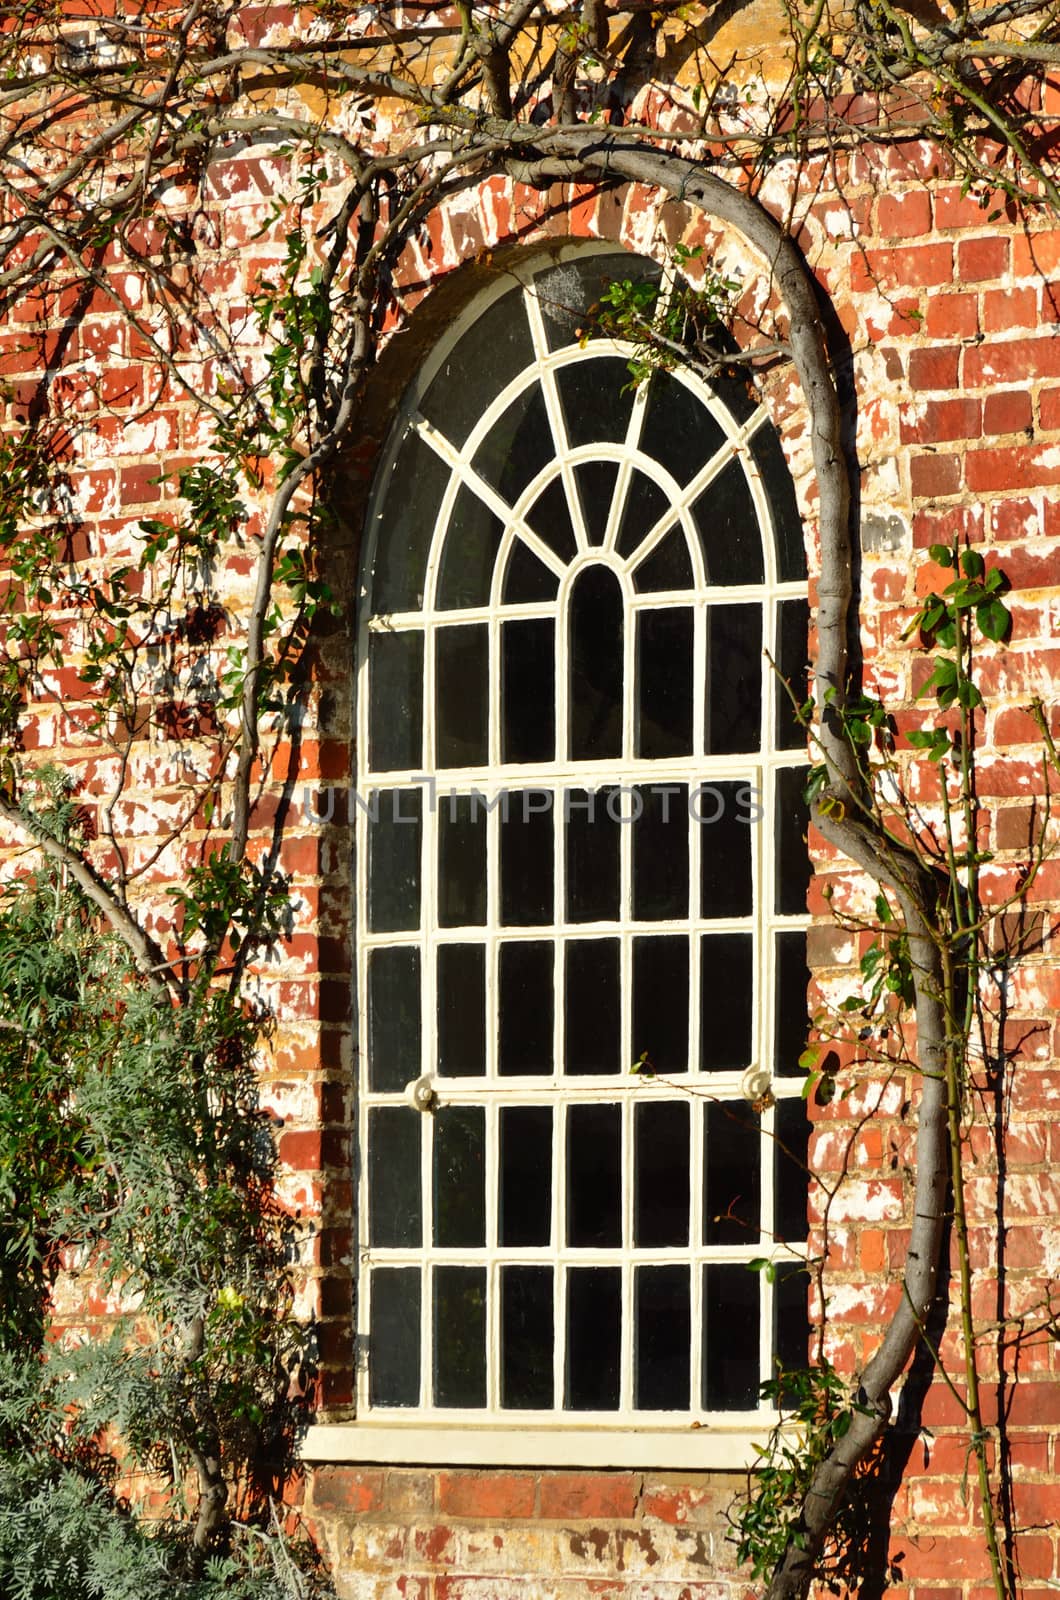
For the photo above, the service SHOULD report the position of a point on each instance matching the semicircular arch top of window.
(581, 839)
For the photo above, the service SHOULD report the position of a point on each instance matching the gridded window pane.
(394, 834)
(527, 1336)
(527, 987)
(461, 862)
(527, 578)
(549, 518)
(461, 1010)
(792, 1021)
(596, 398)
(595, 481)
(414, 489)
(593, 1006)
(518, 446)
(525, 1175)
(793, 861)
(780, 492)
(645, 505)
(594, 1176)
(734, 680)
(662, 1328)
(679, 432)
(724, 812)
(395, 701)
(528, 690)
(568, 293)
(460, 1336)
(732, 1181)
(496, 348)
(660, 1174)
(727, 997)
(660, 852)
(668, 567)
(790, 1174)
(460, 1176)
(393, 1017)
(664, 683)
(791, 1322)
(594, 1338)
(596, 668)
(395, 1206)
(793, 622)
(526, 841)
(729, 534)
(593, 841)
(732, 1337)
(469, 553)
(394, 1337)
(461, 696)
(660, 1003)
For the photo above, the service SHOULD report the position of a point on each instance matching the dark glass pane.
(660, 1174)
(660, 852)
(729, 534)
(645, 505)
(460, 1336)
(662, 1338)
(679, 431)
(732, 1173)
(597, 399)
(461, 1010)
(793, 854)
(594, 1338)
(735, 391)
(660, 1003)
(527, 1337)
(780, 492)
(569, 294)
(528, 690)
(395, 702)
(525, 1175)
(726, 813)
(668, 567)
(495, 349)
(727, 990)
(469, 554)
(526, 578)
(593, 881)
(793, 622)
(790, 1175)
(791, 1320)
(596, 625)
(732, 1338)
(549, 517)
(394, 1337)
(593, 1010)
(596, 489)
(393, 1018)
(734, 680)
(526, 859)
(409, 505)
(518, 446)
(462, 695)
(461, 862)
(594, 1176)
(460, 1176)
(395, 1208)
(527, 990)
(394, 860)
(664, 683)
(793, 1023)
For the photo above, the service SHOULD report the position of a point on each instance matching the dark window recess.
(461, 1010)
(793, 859)
(549, 518)
(593, 1007)
(526, 577)
(495, 348)
(528, 690)
(792, 1019)
(727, 994)
(734, 680)
(462, 695)
(394, 1337)
(729, 533)
(732, 1175)
(660, 1003)
(393, 1018)
(592, 833)
(780, 492)
(461, 861)
(660, 852)
(395, 1206)
(596, 628)
(664, 683)
(569, 295)
(594, 1176)
(527, 990)
(460, 1336)
(469, 553)
(646, 504)
(395, 701)
(791, 1175)
(793, 622)
(527, 1336)
(597, 400)
(668, 567)
(518, 446)
(726, 813)
(791, 1322)
(732, 1337)
(660, 1174)
(662, 1338)
(459, 1176)
(596, 488)
(411, 496)
(394, 831)
(526, 836)
(594, 1338)
(679, 432)
(525, 1175)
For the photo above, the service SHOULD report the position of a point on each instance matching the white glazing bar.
(554, 411)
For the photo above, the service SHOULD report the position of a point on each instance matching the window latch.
(420, 1093)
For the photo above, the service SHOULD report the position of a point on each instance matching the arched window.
(580, 844)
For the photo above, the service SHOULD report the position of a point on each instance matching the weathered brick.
(486, 1494)
(350, 1489)
(980, 259)
(935, 368)
(1007, 412)
(588, 1496)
